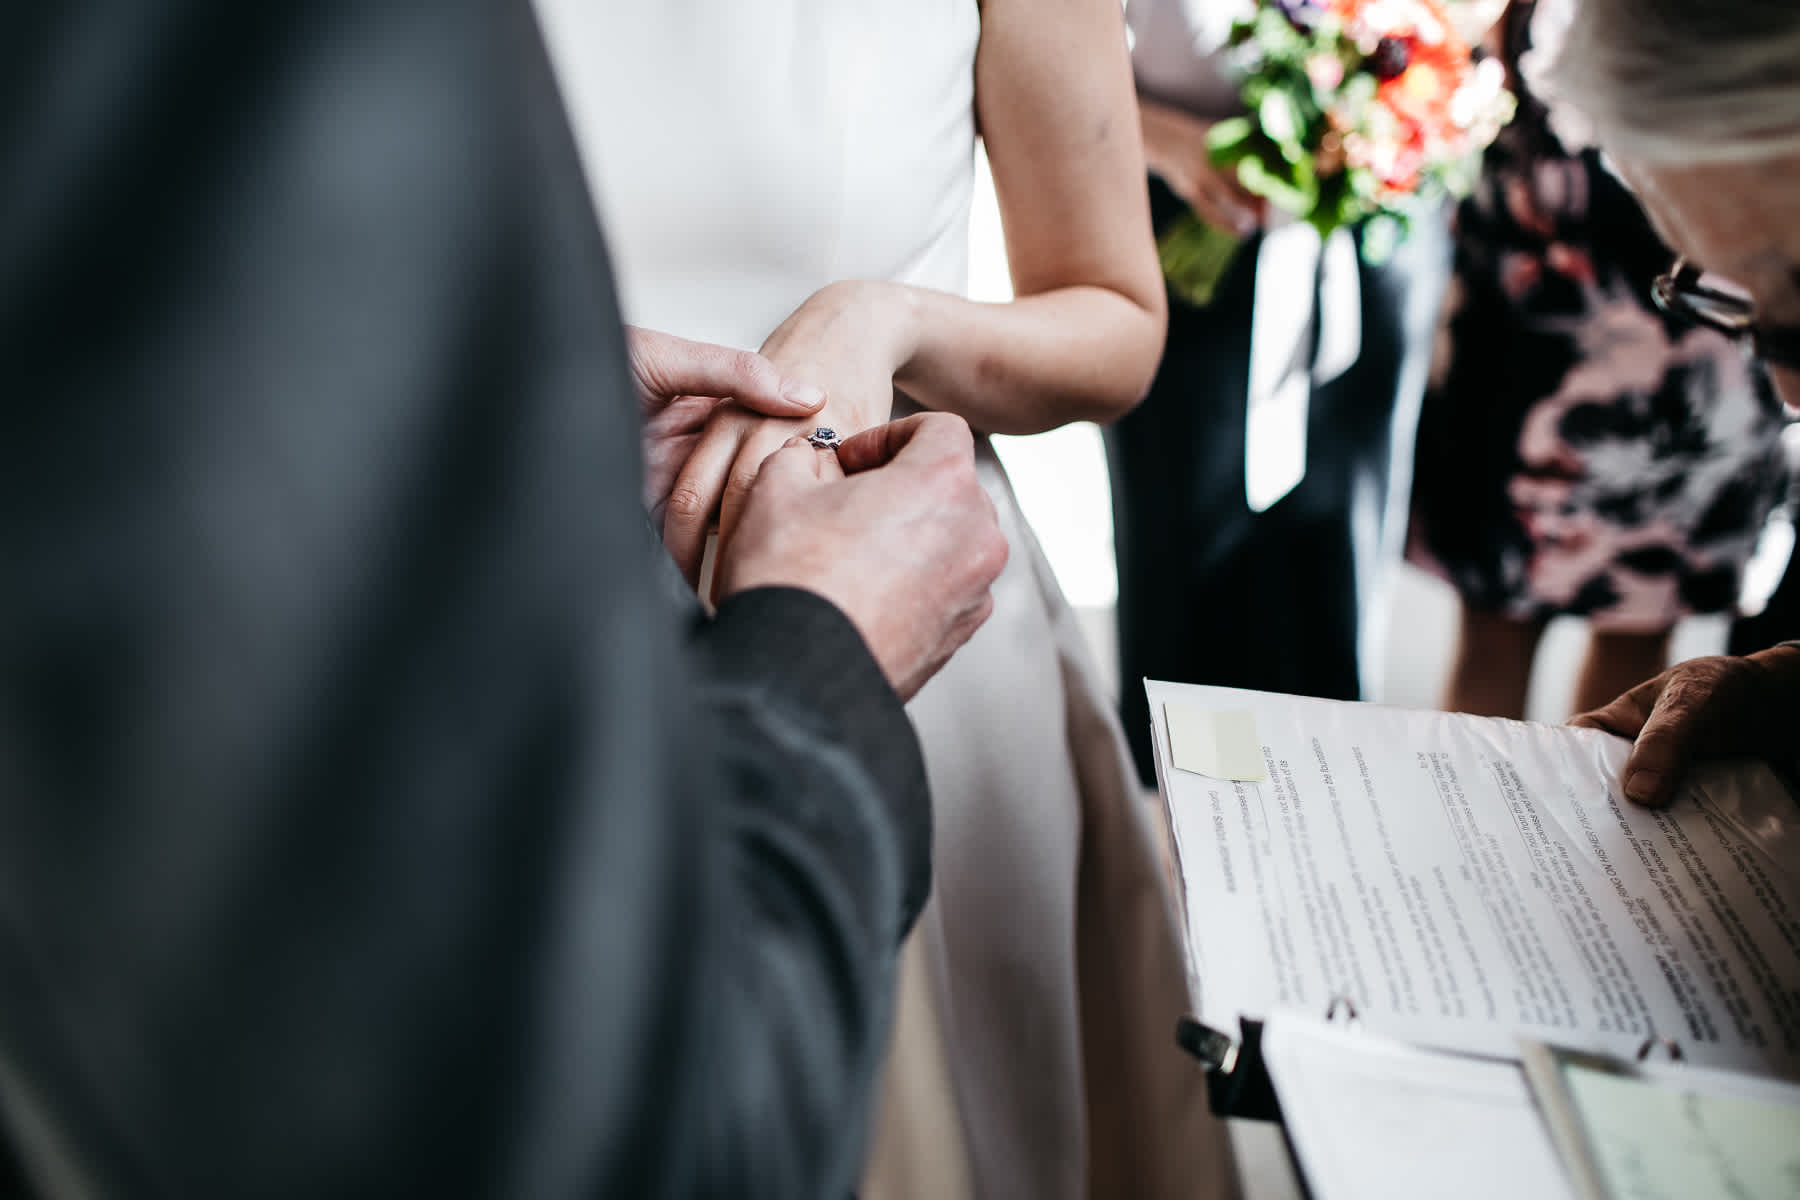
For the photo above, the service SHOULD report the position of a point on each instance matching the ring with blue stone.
(825, 438)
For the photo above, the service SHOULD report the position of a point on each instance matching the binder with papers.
(1470, 888)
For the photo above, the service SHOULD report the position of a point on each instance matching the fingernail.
(1642, 785)
(1246, 224)
(796, 440)
(805, 395)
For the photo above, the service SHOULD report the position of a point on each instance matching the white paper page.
(1461, 878)
(1373, 1119)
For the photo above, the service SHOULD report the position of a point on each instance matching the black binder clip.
(1237, 1082)
(1237, 1079)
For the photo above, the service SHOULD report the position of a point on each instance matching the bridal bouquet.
(1353, 110)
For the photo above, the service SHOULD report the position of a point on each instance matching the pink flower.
(1325, 71)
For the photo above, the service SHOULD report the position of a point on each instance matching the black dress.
(1213, 592)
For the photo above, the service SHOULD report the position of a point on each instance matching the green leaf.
(1231, 134)
(1275, 31)
(1281, 123)
(1306, 177)
(1289, 194)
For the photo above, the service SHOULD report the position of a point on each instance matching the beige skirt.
(1033, 1052)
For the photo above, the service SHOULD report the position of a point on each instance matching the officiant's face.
(1741, 222)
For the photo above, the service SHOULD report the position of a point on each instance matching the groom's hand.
(894, 529)
(679, 383)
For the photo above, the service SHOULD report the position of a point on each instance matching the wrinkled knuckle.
(956, 477)
(951, 423)
(741, 479)
(991, 553)
(687, 504)
(950, 429)
(1674, 714)
(752, 368)
(1710, 667)
(1688, 684)
(642, 342)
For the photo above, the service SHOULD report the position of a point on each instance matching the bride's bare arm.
(1058, 111)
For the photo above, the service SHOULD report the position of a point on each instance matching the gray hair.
(1674, 81)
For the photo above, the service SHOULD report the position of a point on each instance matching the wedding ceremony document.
(1462, 881)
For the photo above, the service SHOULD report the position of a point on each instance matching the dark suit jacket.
(369, 822)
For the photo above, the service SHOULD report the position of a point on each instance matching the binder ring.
(1341, 1001)
(1669, 1044)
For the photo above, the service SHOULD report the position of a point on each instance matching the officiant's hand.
(849, 338)
(895, 529)
(680, 383)
(1703, 708)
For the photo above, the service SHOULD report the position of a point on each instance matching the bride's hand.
(680, 383)
(849, 339)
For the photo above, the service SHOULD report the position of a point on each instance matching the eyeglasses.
(1685, 292)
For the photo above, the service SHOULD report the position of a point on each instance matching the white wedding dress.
(745, 153)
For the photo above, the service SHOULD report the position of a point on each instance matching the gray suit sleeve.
(820, 794)
(370, 824)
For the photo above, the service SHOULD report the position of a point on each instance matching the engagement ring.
(825, 438)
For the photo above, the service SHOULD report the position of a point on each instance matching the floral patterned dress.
(1579, 452)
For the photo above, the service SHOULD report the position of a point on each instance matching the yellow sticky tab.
(1221, 744)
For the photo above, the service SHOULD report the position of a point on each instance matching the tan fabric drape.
(1037, 1057)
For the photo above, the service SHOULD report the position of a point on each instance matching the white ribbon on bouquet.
(1301, 284)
